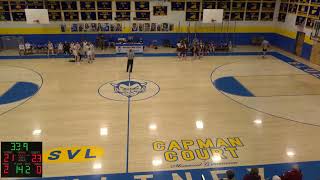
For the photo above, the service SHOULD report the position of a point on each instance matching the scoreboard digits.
(21, 159)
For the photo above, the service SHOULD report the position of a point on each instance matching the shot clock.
(21, 159)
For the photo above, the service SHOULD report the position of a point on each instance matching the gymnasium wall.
(241, 32)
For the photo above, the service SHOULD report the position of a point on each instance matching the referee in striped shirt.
(130, 60)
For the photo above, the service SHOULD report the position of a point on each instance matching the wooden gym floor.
(177, 118)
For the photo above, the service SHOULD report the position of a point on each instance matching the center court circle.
(135, 89)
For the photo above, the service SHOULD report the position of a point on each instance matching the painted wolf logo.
(129, 88)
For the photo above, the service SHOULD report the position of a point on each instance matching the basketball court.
(228, 110)
(171, 118)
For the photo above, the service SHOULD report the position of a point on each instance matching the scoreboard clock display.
(21, 159)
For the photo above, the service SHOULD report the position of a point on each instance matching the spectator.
(28, 48)
(92, 48)
(22, 49)
(60, 48)
(293, 174)
(50, 48)
(276, 178)
(230, 175)
(253, 175)
(66, 47)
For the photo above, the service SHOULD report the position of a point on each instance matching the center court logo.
(122, 90)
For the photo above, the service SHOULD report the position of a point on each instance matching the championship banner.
(87, 5)
(71, 16)
(177, 6)
(160, 10)
(209, 5)
(55, 16)
(88, 16)
(53, 5)
(105, 16)
(142, 5)
(4, 6)
(266, 16)
(69, 5)
(123, 5)
(252, 16)
(104, 5)
(35, 4)
(253, 6)
(18, 5)
(282, 17)
(18, 16)
(193, 6)
(5, 16)
(239, 6)
(122, 16)
(237, 16)
(268, 6)
(142, 16)
(192, 16)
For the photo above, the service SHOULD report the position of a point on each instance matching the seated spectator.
(253, 175)
(22, 49)
(276, 178)
(60, 48)
(28, 48)
(230, 175)
(293, 174)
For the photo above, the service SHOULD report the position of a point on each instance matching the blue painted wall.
(280, 41)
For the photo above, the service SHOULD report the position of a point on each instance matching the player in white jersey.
(92, 48)
(265, 45)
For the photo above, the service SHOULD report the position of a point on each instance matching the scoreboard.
(21, 159)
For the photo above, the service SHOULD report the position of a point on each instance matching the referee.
(130, 60)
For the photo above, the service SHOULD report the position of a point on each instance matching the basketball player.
(50, 48)
(22, 49)
(265, 45)
(179, 46)
(89, 55)
(91, 46)
(76, 53)
(130, 60)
